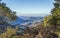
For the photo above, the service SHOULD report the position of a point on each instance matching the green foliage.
(49, 28)
(9, 33)
(54, 21)
(7, 12)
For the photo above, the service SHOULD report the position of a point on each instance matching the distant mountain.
(22, 22)
(25, 20)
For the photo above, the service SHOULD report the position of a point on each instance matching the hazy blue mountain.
(25, 19)
(22, 22)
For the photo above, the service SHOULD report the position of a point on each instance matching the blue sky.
(30, 7)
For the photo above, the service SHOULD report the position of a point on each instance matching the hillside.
(12, 26)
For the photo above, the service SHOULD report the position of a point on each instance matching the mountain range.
(27, 20)
(22, 22)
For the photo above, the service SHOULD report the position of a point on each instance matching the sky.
(30, 7)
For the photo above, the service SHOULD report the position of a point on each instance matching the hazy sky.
(30, 7)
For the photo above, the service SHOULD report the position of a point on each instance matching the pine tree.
(6, 11)
(54, 21)
(6, 15)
